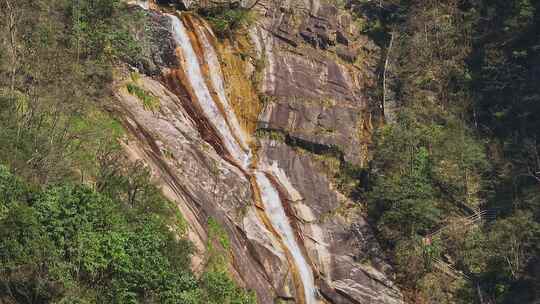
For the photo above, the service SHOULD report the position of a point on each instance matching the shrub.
(225, 21)
(150, 102)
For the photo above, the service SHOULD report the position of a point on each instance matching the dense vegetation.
(78, 222)
(464, 142)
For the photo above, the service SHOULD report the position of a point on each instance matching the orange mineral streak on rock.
(261, 213)
(289, 210)
(240, 89)
(200, 36)
(176, 82)
(269, 196)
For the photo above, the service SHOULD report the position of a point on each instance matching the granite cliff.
(253, 131)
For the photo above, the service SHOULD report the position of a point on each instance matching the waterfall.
(221, 115)
(214, 69)
(274, 209)
(196, 80)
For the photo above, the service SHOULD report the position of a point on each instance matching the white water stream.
(236, 143)
(214, 69)
(195, 77)
(274, 210)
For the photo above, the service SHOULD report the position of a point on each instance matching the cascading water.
(214, 70)
(274, 210)
(202, 94)
(226, 124)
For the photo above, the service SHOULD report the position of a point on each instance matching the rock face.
(192, 174)
(314, 96)
(318, 94)
(158, 51)
(327, 125)
(339, 241)
(317, 87)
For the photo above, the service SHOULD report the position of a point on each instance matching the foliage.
(70, 240)
(219, 287)
(79, 223)
(101, 28)
(465, 72)
(150, 102)
(226, 20)
(506, 103)
(377, 19)
(216, 232)
(515, 241)
(425, 174)
(54, 82)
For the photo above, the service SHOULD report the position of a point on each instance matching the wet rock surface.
(203, 185)
(339, 241)
(317, 93)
